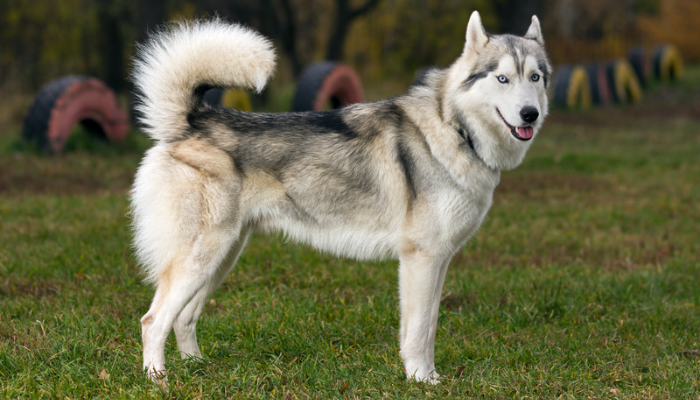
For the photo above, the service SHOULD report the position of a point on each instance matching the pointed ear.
(535, 32)
(476, 34)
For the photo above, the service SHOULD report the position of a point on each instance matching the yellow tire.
(668, 63)
(571, 87)
(235, 98)
(624, 85)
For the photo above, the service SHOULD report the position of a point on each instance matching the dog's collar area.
(468, 139)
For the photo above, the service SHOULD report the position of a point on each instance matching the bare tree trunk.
(149, 14)
(112, 47)
(287, 26)
(514, 15)
(344, 16)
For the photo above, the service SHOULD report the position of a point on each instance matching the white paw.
(422, 373)
(157, 376)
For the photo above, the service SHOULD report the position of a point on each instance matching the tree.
(285, 22)
(111, 44)
(514, 15)
(344, 16)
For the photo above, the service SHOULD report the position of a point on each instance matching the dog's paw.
(158, 377)
(422, 373)
(433, 378)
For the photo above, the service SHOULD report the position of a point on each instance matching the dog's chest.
(458, 211)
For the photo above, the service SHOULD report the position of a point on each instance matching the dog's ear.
(535, 32)
(476, 34)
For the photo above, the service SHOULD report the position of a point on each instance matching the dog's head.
(497, 91)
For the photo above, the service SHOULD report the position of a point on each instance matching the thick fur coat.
(409, 178)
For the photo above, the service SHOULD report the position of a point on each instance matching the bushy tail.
(186, 56)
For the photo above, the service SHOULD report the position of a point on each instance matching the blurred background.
(385, 41)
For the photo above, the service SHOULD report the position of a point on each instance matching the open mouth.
(523, 133)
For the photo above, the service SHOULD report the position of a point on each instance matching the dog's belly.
(344, 240)
(347, 232)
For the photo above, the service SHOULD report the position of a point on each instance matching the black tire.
(560, 86)
(230, 98)
(65, 102)
(213, 96)
(571, 87)
(624, 86)
(637, 58)
(598, 80)
(309, 83)
(668, 63)
(326, 81)
(36, 121)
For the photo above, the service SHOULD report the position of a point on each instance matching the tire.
(668, 63)
(624, 86)
(231, 98)
(637, 58)
(325, 82)
(571, 88)
(213, 96)
(65, 102)
(598, 81)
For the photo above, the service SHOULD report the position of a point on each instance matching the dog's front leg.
(434, 319)
(420, 283)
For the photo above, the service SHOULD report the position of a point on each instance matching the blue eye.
(535, 77)
(502, 79)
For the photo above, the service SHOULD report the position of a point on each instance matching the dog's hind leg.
(186, 323)
(419, 282)
(180, 284)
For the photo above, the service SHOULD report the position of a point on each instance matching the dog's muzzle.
(522, 133)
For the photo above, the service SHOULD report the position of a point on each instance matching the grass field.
(584, 281)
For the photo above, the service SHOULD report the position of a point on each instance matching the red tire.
(65, 102)
(327, 82)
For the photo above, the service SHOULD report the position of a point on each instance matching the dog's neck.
(466, 136)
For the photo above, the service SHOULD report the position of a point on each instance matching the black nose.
(529, 114)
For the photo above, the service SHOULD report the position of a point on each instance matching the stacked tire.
(571, 87)
(667, 63)
(619, 81)
(327, 85)
(62, 104)
(624, 85)
(598, 81)
(231, 98)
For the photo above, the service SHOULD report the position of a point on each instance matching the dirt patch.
(29, 174)
(38, 289)
(537, 184)
(457, 301)
(657, 105)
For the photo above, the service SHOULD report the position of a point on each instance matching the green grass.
(582, 283)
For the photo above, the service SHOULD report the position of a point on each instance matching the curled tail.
(184, 57)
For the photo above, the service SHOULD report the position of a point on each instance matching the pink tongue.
(526, 132)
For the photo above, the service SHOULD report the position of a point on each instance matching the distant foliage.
(406, 35)
(44, 38)
(41, 40)
(586, 30)
(677, 23)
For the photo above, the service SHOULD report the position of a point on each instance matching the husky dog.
(409, 178)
